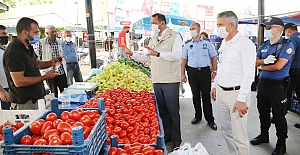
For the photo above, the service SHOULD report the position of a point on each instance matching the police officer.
(274, 57)
(291, 32)
(197, 56)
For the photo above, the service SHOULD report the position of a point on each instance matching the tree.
(10, 3)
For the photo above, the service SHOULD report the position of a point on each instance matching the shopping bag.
(199, 149)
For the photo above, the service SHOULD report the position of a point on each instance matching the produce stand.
(91, 146)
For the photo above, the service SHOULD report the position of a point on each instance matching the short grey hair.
(230, 16)
(68, 31)
(198, 25)
(48, 27)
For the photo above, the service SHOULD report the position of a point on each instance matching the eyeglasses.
(268, 27)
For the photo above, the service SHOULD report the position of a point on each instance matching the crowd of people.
(224, 76)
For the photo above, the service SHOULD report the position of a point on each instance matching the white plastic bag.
(199, 149)
(186, 149)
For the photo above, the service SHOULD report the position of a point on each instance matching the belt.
(271, 81)
(231, 88)
(200, 68)
(72, 63)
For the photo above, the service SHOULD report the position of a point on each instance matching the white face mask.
(194, 33)
(268, 34)
(155, 29)
(222, 32)
(68, 39)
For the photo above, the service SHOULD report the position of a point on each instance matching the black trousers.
(167, 96)
(271, 95)
(200, 81)
(59, 81)
(294, 85)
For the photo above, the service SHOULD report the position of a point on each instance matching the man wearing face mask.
(21, 66)
(291, 32)
(274, 57)
(197, 56)
(71, 58)
(47, 49)
(122, 41)
(232, 85)
(4, 96)
(164, 51)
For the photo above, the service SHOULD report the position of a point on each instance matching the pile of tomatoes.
(15, 127)
(136, 149)
(55, 131)
(131, 115)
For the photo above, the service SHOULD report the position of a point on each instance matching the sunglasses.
(268, 27)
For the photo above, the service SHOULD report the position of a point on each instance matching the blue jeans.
(73, 72)
(122, 53)
(167, 96)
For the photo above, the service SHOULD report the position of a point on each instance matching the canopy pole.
(91, 33)
(261, 16)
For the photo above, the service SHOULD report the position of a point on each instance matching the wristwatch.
(158, 54)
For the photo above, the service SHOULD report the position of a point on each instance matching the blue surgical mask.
(35, 39)
(268, 34)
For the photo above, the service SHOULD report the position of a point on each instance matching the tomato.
(86, 132)
(51, 132)
(90, 114)
(130, 129)
(85, 120)
(1, 137)
(96, 112)
(108, 131)
(97, 115)
(56, 122)
(134, 139)
(40, 142)
(153, 141)
(147, 131)
(53, 136)
(64, 127)
(55, 141)
(133, 150)
(51, 117)
(148, 150)
(26, 140)
(78, 124)
(41, 121)
(117, 122)
(46, 126)
(127, 147)
(113, 151)
(64, 115)
(66, 138)
(1, 127)
(159, 152)
(117, 130)
(123, 134)
(94, 121)
(8, 123)
(109, 120)
(131, 122)
(35, 138)
(80, 111)
(124, 125)
(75, 115)
(14, 129)
(19, 125)
(117, 116)
(111, 112)
(125, 111)
(35, 128)
(70, 121)
(120, 141)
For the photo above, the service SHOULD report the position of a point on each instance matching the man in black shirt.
(21, 67)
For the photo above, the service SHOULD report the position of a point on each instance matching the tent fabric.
(293, 18)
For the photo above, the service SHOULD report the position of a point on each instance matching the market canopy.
(145, 23)
(292, 18)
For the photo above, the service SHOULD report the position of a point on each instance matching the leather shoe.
(259, 139)
(279, 150)
(213, 125)
(175, 147)
(196, 120)
(297, 125)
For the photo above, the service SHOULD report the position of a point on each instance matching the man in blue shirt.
(197, 56)
(274, 57)
(291, 32)
(71, 57)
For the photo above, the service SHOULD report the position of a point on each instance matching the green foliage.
(62, 29)
(10, 3)
(42, 32)
(100, 27)
(39, 2)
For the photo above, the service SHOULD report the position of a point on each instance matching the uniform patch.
(289, 51)
(191, 46)
(278, 47)
(204, 46)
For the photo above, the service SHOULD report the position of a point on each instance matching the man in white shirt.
(232, 85)
(164, 51)
(4, 96)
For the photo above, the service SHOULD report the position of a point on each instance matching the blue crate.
(295, 106)
(91, 146)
